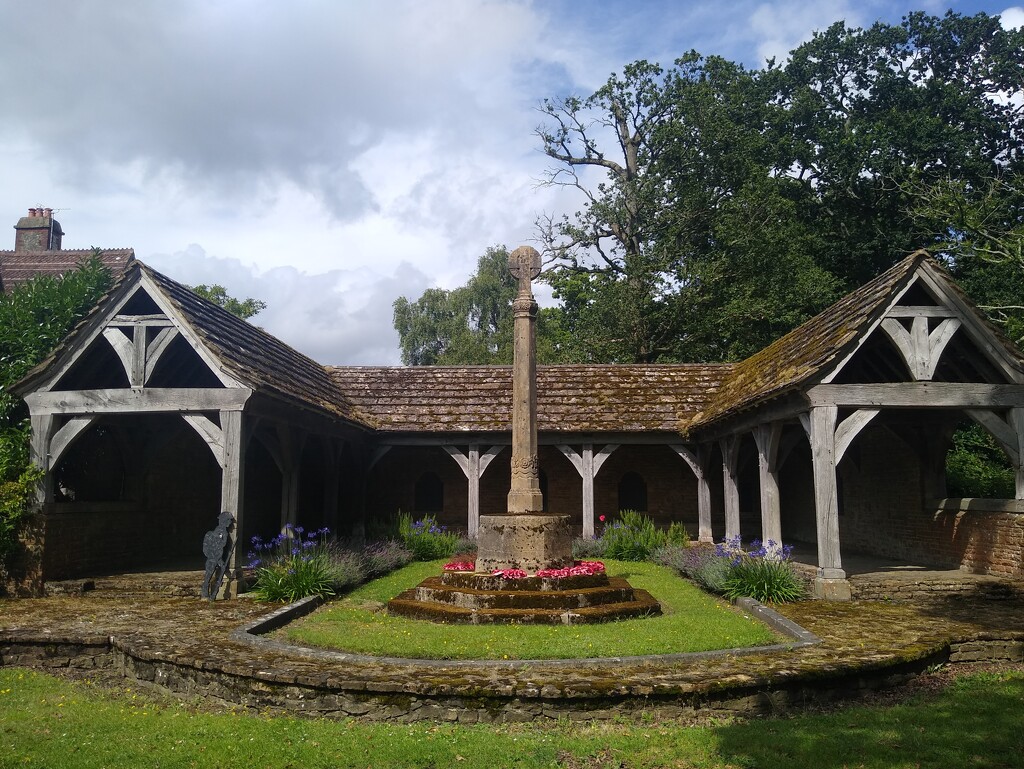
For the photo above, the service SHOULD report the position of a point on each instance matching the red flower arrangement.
(509, 573)
(581, 569)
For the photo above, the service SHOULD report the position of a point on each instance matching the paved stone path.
(872, 642)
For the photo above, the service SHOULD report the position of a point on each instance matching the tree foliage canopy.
(243, 308)
(34, 318)
(471, 324)
(722, 207)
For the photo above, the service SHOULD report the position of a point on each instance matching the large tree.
(730, 205)
(243, 308)
(471, 324)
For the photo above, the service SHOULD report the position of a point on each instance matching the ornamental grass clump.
(763, 573)
(426, 539)
(293, 565)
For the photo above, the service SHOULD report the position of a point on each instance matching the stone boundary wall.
(923, 590)
(414, 693)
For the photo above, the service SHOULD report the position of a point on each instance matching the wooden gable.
(135, 340)
(929, 331)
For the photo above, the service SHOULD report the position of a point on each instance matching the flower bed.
(578, 569)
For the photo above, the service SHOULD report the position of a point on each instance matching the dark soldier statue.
(217, 549)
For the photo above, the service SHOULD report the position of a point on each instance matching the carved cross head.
(524, 264)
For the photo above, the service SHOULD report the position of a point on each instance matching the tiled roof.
(808, 349)
(18, 266)
(253, 356)
(594, 398)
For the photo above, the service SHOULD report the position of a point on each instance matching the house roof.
(16, 267)
(673, 398)
(570, 398)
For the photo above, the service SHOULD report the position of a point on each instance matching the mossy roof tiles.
(570, 398)
(806, 350)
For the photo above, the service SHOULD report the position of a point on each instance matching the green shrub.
(290, 566)
(977, 467)
(426, 539)
(587, 548)
(677, 535)
(763, 579)
(17, 498)
(633, 537)
(712, 572)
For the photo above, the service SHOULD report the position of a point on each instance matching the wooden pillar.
(697, 459)
(332, 475)
(287, 456)
(730, 484)
(473, 465)
(767, 439)
(831, 579)
(1016, 420)
(588, 465)
(232, 485)
(42, 432)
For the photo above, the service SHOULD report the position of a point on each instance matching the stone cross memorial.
(524, 537)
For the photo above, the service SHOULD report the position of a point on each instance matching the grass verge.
(692, 621)
(49, 722)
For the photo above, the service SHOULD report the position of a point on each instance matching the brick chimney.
(38, 231)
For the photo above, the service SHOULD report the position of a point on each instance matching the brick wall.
(885, 510)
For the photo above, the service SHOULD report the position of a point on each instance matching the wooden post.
(831, 579)
(767, 439)
(1016, 420)
(332, 474)
(697, 459)
(730, 482)
(42, 432)
(232, 485)
(588, 465)
(473, 465)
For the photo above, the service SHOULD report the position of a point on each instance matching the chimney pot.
(48, 213)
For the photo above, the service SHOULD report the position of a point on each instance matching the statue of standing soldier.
(217, 545)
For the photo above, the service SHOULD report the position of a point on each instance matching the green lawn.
(692, 621)
(47, 722)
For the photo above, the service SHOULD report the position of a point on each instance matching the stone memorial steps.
(483, 599)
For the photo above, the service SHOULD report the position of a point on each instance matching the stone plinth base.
(523, 541)
(832, 589)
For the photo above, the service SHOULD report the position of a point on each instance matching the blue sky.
(330, 156)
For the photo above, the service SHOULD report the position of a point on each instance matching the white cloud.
(1012, 17)
(324, 154)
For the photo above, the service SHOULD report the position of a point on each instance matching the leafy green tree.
(721, 207)
(243, 308)
(471, 324)
(981, 236)
(34, 318)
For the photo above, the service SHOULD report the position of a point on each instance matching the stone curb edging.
(253, 634)
(503, 691)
